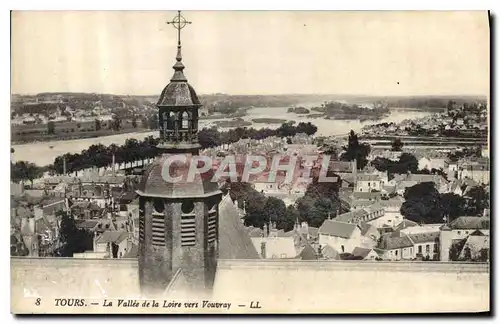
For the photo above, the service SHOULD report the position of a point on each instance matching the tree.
(275, 209)
(116, 123)
(453, 206)
(73, 240)
(97, 124)
(422, 204)
(477, 200)
(51, 127)
(356, 151)
(397, 145)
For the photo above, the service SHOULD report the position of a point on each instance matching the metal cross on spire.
(179, 22)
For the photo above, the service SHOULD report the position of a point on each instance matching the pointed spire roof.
(178, 67)
(178, 92)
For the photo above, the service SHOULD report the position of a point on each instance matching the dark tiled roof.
(367, 195)
(154, 185)
(234, 242)
(470, 222)
(112, 237)
(178, 94)
(335, 228)
(405, 224)
(133, 253)
(308, 253)
(86, 224)
(330, 253)
(424, 237)
(352, 216)
(391, 241)
(360, 252)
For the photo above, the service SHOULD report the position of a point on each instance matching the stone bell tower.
(178, 221)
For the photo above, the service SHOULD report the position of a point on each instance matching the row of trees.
(211, 137)
(424, 204)
(99, 155)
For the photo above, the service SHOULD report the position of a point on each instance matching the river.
(44, 153)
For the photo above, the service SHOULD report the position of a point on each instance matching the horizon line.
(268, 94)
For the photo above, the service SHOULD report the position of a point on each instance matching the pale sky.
(253, 52)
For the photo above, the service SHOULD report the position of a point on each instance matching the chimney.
(263, 249)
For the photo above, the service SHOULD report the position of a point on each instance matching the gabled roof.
(365, 228)
(361, 252)
(133, 252)
(390, 241)
(308, 253)
(366, 195)
(352, 216)
(424, 237)
(478, 242)
(338, 229)
(470, 222)
(330, 253)
(112, 237)
(406, 223)
(234, 242)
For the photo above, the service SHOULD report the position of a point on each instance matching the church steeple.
(178, 221)
(178, 106)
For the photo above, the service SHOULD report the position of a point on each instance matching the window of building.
(283, 255)
(420, 249)
(458, 232)
(342, 247)
(427, 248)
(396, 252)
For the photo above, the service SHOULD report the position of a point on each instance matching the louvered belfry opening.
(212, 226)
(188, 230)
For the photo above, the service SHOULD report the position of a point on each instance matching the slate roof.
(308, 253)
(361, 252)
(153, 183)
(133, 252)
(366, 195)
(330, 253)
(234, 242)
(391, 241)
(470, 222)
(338, 229)
(405, 223)
(112, 237)
(478, 242)
(352, 216)
(424, 237)
(365, 228)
